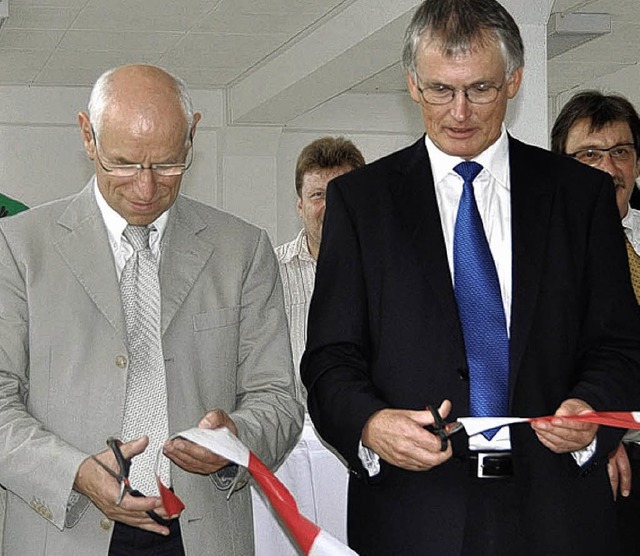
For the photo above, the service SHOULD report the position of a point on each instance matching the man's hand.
(399, 437)
(619, 470)
(563, 435)
(103, 490)
(197, 459)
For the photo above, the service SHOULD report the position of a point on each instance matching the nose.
(460, 106)
(146, 184)
(607, 165)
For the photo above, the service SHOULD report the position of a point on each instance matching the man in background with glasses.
(129, 310)
(485, 277)
(603, 131)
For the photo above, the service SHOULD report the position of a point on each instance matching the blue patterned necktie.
(480, 307)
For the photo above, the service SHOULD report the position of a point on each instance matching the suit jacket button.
(121, 361)
(105, 523)
(463, 373)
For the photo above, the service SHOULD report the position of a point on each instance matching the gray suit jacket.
(63, 365)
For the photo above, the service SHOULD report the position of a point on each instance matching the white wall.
(247, 170)
(625, 82)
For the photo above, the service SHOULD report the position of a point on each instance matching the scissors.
(123, 477)
(441, 428)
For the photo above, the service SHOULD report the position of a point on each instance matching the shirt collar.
(116, 224)
(298, 248)
(631, 226)
(494, 160)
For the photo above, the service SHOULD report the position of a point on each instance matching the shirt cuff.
(581, 457)
(369, 459)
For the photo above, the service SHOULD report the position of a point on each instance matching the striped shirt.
(298, 273)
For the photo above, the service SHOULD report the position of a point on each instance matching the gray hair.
(101, 95)
(461, 23)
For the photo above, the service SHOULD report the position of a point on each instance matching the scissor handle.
(439, 428)
(125, 464)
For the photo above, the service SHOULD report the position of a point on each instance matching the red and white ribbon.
(618, 419)
(312, 540)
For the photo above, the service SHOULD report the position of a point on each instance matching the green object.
(9, 206)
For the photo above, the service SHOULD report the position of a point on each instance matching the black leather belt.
(490, 465)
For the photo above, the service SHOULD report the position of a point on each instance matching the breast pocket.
(220, 318)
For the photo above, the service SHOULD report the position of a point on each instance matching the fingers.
(444, 409)
(614, 477)
(133, 511)
(566, 435)
(399, 437)
(217, 418)
(620, 466)
(197, 459)
(103, 490)
(134, 447)
(192, 457)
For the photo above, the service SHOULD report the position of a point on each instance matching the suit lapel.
(532, 188)
(418, 207)
(85, 249)
(185, 252)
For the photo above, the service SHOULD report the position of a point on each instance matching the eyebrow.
(448, 85)
(600, 147)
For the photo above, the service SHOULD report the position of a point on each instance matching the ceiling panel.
(77, 4)
(215, 43)
(39, 17)
(134, 43)
(17, 39)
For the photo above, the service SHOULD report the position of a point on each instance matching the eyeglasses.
(478, 93)
(618, 153)
(133, 170)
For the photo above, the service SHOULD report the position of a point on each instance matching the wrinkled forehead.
(453, 47)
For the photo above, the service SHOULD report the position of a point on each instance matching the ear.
(299, 206)
(514, 82)
(87, 136)
(196, 118)
(413, 87)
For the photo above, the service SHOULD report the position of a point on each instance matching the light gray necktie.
(145, 410)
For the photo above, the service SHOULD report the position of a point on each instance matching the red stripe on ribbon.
(618, 419)
(303, 530)
(170, 499)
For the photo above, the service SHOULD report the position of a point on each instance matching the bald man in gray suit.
(65, 357)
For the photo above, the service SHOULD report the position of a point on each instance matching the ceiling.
(278, 48)
(604, 55)
(210, 43)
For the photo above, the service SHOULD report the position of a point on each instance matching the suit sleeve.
(268, 417)
(35, 464)
(336, 365)
(609, 354)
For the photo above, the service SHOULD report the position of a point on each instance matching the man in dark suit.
(603, 131)
(394, 325)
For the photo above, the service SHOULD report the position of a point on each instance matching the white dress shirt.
(120, 246)
(492, 190)
(493, 197)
